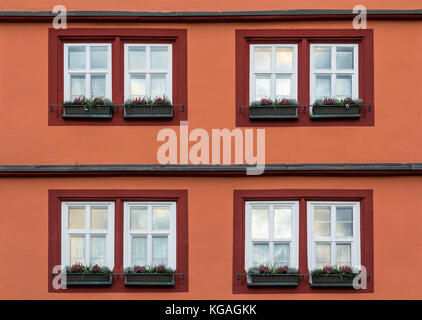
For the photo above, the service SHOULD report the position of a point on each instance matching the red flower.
(282, 269)
(160, 268)
(96, 268)
(78, 267)
(284, 102)
(329, 101)
(139, 269)
(263, 269)
(79, 101)
(327, 269)
(349, 101)
(265, 102)
(160, 101)
(346, 269)
(139, 101)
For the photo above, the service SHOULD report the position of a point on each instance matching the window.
(87, 70)
(271, 230)
(273, 71)
(88, 233)
(148, 71)
(333, 234)
(334, 71)
(150, 234)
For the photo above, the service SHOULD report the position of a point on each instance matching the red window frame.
(366, 234)
(56, 197)
(303, 38)
(117, 37)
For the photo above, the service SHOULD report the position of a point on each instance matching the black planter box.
(273, 112)
(149, 279)
(88, 279)
(143, 111)
(332, 280)
(273, 279)
(330, 111)
(90, 112)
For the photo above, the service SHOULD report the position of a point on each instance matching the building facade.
(211, 139)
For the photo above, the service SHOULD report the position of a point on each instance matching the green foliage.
(263, 269)
(149, 269)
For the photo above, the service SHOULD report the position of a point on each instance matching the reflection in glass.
(137, 86)
(284, 59)
(98, 250)
(159, 58)
(262, 59)
(281, 254)
(260, 223)
(283, 222)
(76, 58)
(323, 255)
(283, 86)
(343, 87)
(138, 218)
(99, 218)
(159, 250)
(76, 217)
(260, 254)
(323, 86)
(344, 58)
(160, 218)
(322, 221)
(77, 250)
(262, 86)
(137, 58)
(139, 251)
(343, 255)
(99, 57)
(322, 58)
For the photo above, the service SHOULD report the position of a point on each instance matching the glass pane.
(323, 87)
(77, 86)
(322, 221)
(283, 86)
(322, 58)
(76, 218)
(344, 224)
(281, 254)
(139, 251)
(99, 218)
(344, 58)
(262, 59)
(260, 254)
(160, 218)
(98, 85)
(343, 87)
(343, 255)
(159, 58)
(99, 58)
(283, 222)
(284, 59)
(260, 223)
(158, 85)
(77, 250)
(323, 255)
(262, 86)
(98, 250)
(76, 58)
(138, 218)
(137, 58)
(159, 251)
(138, 86)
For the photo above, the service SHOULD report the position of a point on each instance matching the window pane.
(99, 58)
(260, 224)
(322, 58)
(139, 251)
(283, 86)
(137, 58)
(77, 250)
(98, 250)
(77, 86)
(76, 218)
(159, 251)
(160, 218)
(99, 218)
(137, 86)
(262, 86)
(159, 58)
(343, 255)
(322, 221)
(344, 223)
(98, 85)
(283, 222)
(323, 255)
(262, 59)
(76, 58)
(281, 254)
(323, 87)
(343, 87)
(344, 58)
(138, 218)
(284, 59)
(260, 254)
(158, 85)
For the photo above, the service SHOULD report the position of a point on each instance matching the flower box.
(90, 112)
(99, 279)
(273, 279)
(148, 111)
(273, 112)
(332, 280)
(149, 279)
(336, 111)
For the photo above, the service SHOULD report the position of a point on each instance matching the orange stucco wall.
(397, 229)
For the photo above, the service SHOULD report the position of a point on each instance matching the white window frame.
(87, 71)
(293, 241)
(334, 72)
(87, 232)
(148, 71)
(128, 234)
(273, 72)
(332, 239)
